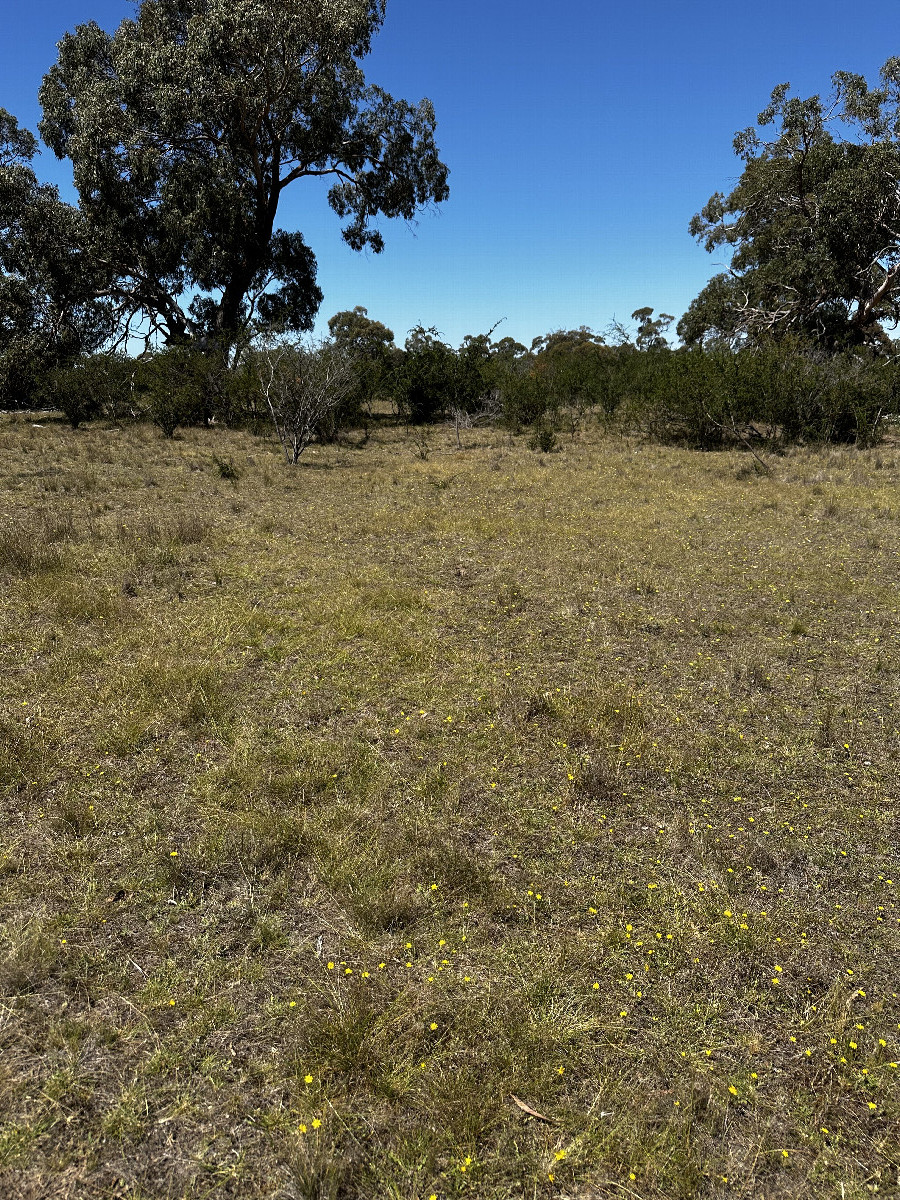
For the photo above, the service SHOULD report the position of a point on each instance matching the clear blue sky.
(581, 137)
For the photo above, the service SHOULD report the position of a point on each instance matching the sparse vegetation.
(488, 796)
(355, 809)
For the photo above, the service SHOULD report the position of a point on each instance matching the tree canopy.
(813, 226)
(185, 127)
(355, 330)
(47, 306)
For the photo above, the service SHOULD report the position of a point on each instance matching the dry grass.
(345, 802)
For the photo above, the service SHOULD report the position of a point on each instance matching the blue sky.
(581, 138)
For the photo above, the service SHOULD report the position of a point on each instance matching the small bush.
(93, 386)
(226, 468)
(524, 397)
(303, 385)
(426, 383)
(544, 437)
(170, 384)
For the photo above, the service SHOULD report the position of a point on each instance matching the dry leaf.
(532, 1112)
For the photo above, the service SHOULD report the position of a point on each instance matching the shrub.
(544, 436)
(174, 387)
(302, 384)
(93, 386)
(523, 394)
(776, 394)
(23, 368)
(370, 345)
(427, 381)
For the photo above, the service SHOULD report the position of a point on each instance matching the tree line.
(755, 395)
(185, 127)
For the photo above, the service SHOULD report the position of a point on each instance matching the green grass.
(345, 803)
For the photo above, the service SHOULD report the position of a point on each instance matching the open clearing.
(345, 803)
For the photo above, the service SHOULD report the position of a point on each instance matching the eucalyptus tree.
(357, 332)
(186, 126)
(48, 313)
(812, 228)
(375, 357)
(651, 331)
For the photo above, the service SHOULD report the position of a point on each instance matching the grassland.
(346, 805)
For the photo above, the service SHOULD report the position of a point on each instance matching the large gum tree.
(812, 229)
(185, 127)
(48, 285)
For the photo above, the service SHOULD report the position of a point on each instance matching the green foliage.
(713, 318)
(474, 372)
(571, 369)
(523, 394)
(811, 225)
(356, 332)
(370, 346)
(774, 395)
(208, 110)
(651, 330)
(47, 311)
(92, 386)
(427, 382)
(433, 381)
(564, 370)
(543, 437)
(174, 385)
(681, 397)
(23, 365)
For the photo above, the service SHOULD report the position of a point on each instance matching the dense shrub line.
(773, 395)
(704, 397)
